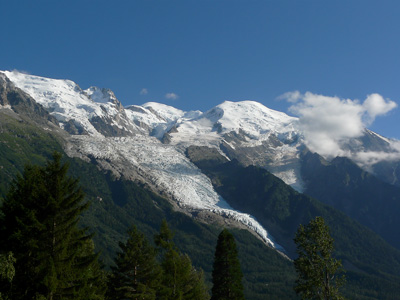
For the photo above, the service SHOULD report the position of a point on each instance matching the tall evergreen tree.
(315, 267)
(137, 274)
(39, 224)
(227, 274)
(7, 273)
(180, 280)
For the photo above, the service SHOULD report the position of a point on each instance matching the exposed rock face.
(74, 129)
(114, 122)
(109, 126)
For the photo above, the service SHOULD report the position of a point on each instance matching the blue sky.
(196, 54)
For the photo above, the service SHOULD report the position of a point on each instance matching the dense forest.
(45, 254)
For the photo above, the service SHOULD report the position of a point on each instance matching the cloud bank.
(366, 160)
(327, 122)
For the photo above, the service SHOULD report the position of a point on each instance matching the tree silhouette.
(180, 280)
(315, 267)
(137, 274)
(227, 274)
(54, 256)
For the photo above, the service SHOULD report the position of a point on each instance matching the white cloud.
(367, 159)
(171, 96)
(144, 91)
(327, 122)
(375, 105)
(290, 96)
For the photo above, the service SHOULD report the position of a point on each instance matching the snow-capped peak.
(249, 116)
(86, 112)
(63, 98)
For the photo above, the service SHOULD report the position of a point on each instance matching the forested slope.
(373, 266)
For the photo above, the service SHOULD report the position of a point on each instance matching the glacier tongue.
(169, 170)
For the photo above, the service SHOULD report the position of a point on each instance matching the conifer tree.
(136, 274)
(180, 280)
(7, 273)
(316, 269)
(227, 274)
(39, 224)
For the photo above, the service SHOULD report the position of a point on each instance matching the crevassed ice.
(172, 172)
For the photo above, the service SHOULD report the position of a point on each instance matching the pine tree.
(315, 267)
(54, 258)
(137, 273)
(227, 274)
(7, 273)
(180, 280)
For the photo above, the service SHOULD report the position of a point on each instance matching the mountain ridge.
(147, 143)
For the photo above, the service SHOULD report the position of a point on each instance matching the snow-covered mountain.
(148, 142)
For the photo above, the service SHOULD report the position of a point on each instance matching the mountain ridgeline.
(239, 165)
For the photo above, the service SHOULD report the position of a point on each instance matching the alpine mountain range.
(239, 163)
